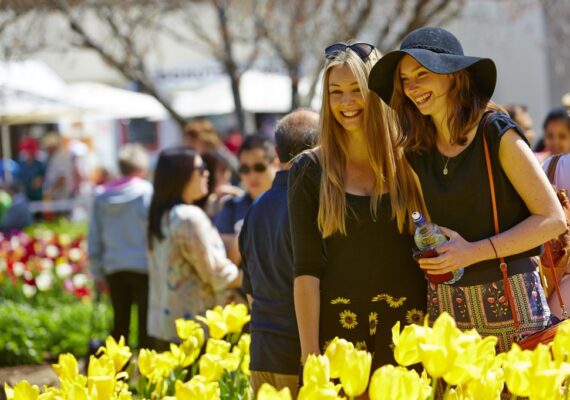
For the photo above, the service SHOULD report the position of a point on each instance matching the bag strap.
(503, 264)
(552, 168)
(548, 253)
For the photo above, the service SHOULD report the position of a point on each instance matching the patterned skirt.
(486, 308)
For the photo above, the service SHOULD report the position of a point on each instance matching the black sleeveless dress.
(368, 278)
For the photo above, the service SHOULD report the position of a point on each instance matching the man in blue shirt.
(265, 246)
(257, 166)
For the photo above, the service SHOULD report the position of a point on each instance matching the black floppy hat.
(440, 52)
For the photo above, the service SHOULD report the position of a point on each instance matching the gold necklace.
(445, 170)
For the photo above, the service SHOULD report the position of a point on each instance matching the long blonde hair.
(391, 170)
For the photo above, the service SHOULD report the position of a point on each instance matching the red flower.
(491, 300)
(502, 299)
(459, 300)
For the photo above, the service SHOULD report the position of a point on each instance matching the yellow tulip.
(218, 347)
(406, 350)
(561, 343)
(230, 362)
(101, 387)
(198, 388)
(488, 386)
(147, 362)
(517, 367)
(118, 352)
(244, 343)
(474, 355)
(268, 392)
(236, 316)
(337, 352)
(546, 375)
(355, 372)
(165, 363)
(22, 391)
(183, 359)
(546, 385)
(78, 392)
(66, 368)
(51, 394)
(320, 392)
(188, 328)
(216, 322)
(102, 366)
(211, 367)
(316, 370)
(389, 382)
(438, 349)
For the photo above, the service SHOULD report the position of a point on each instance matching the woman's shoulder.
(307, 164)
(187, 213)
(497, 124)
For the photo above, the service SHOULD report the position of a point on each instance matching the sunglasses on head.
(362, 49)
(245, 169)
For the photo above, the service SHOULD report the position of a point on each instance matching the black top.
(265, 246)
(368, 278)
(461, 200)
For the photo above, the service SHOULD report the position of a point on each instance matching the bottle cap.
(418, 218)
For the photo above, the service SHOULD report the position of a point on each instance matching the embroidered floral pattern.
(340, 300)
(373, 322)
(415, 316)
(391, 301)
(348, 319)
(496, 302)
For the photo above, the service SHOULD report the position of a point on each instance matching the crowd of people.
(317, 236)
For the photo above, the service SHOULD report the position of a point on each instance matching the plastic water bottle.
(427, 237)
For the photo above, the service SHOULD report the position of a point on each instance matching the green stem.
(434, 388)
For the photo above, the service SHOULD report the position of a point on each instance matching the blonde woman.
(349, 206)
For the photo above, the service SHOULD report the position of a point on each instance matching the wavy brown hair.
(391, 170)
(417, 132)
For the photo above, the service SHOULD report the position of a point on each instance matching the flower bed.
(461, 365)
(45, 295)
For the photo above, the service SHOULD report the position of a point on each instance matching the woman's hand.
(454, 254)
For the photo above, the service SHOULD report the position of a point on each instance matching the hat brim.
(483, 70)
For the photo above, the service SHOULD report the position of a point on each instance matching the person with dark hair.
(519, 114)
(257, 166)
(453, 136)
(188, 268)
(117, 241)
(220, 189)
(557, 131)
(265, 247)
(201, 135)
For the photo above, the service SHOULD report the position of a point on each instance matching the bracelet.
(493, 246)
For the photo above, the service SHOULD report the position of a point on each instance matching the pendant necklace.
(445, 170)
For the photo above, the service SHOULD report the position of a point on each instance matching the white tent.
(261, 92)
(104, 101)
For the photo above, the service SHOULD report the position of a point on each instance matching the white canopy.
(260, 92)
(31, 92)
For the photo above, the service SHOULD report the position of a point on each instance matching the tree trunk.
(231, 67)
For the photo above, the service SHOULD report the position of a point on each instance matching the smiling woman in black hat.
(442, 101)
